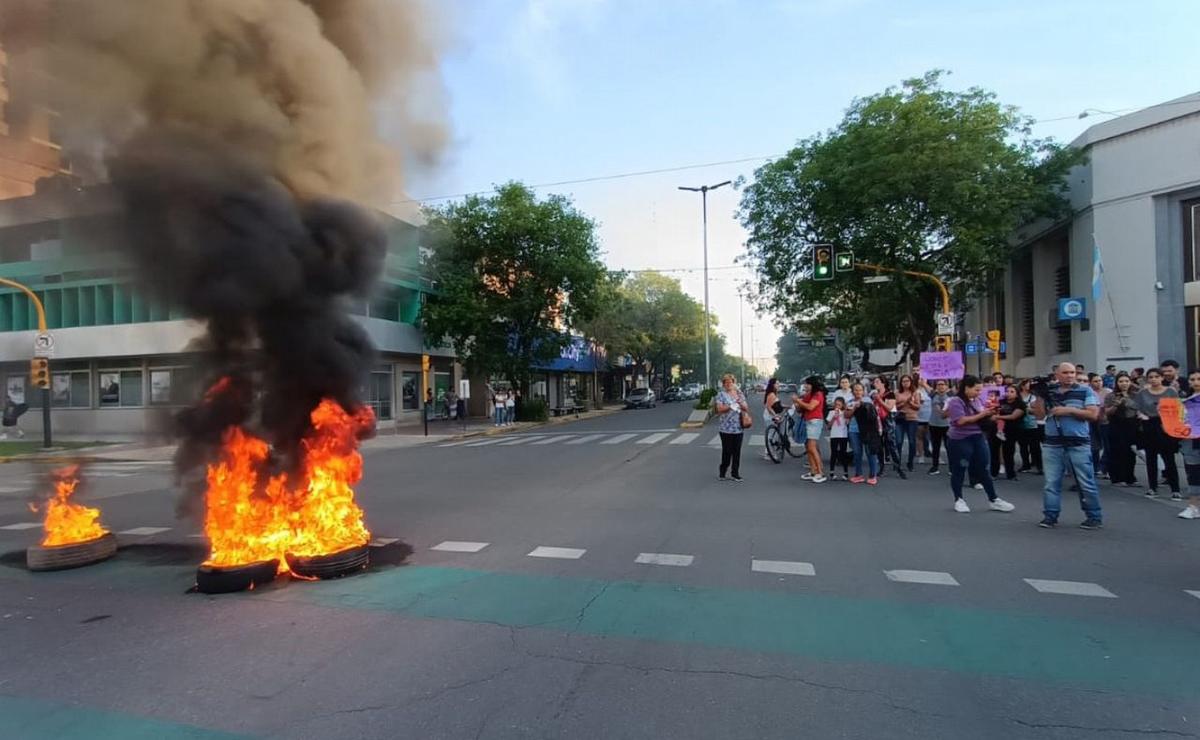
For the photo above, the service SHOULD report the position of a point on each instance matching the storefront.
(577, 373)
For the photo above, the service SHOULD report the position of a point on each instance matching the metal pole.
(742, 340)
(704, 208)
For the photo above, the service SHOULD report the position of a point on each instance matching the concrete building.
(121, 362)
(30, 145)
(1136, 199)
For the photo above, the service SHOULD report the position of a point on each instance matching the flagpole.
(1099, 287)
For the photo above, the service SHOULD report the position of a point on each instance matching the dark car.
(640, 398)
(674, 393)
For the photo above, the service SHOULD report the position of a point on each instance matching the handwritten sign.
(991, 394)
(1180, 419)
(941, 365)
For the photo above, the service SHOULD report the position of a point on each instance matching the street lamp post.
(742, 338)
(703, 190)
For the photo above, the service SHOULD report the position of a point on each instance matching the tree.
(917, 178)
(512, 274)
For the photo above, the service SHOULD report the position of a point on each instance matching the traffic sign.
(945, 324)
(1072, 309)
(972, 348)
(1002, 346)
(845, 261)
(43, 346)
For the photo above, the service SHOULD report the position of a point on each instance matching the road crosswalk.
(646, 437)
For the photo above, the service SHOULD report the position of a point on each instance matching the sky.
(547, 91)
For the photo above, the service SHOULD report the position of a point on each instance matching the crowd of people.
(1072, 424)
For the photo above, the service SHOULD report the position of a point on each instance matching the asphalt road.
(594, 579)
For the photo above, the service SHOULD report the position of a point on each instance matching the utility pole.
(742, 340)
(703, 190)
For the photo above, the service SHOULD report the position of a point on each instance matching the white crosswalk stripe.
(485, 442)
(618, 439)
(714, 442)
(1070, 588)
(520, 440)
(783, 567)
(664, 558)
(685, 438)
(587, 438)
(654, 438)
(561, 553)
(931, 577)
(458, 546)
(1192, 593)
(144, 531)
(552, 440)
(384, 541)
(22, 525)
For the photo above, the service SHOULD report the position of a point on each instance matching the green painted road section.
(22, 718)
(1062, 651)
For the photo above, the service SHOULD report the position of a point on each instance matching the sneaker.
(1000, 504)
(1090, 523)
(1131, 484)
(722, 478)
(736, 478)
(1048, 523)
(1191, 512)
(961, 506)
(819, 479)
(857, 479)
(806, 476)
(933, 471)
(872, 481)
(1001, 436)
(1176, 496)
(978, 486)
(1151, 493)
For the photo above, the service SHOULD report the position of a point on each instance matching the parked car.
(640, 398)
(674, 393)
(693, 390)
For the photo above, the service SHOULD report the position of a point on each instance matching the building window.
(410, 388)
(120, 388)
(379, 392)
(45, 126)
(1062, 289)
(171, 386)
(1028, 324)
(14, 388)
(71, 389)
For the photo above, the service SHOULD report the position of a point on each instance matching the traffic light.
(845, 261)
(993, 340)
(39, 372)
(425, 363)
(823, 262)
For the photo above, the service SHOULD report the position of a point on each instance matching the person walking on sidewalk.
(939, 425)
(1155, 441)
(967, 448)
(1191, 458)
(1067, 409)
(731, 404)
(1122, 414)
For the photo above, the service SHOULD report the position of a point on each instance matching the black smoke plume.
(268, 272)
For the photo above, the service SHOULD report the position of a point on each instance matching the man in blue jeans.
(1068, 408)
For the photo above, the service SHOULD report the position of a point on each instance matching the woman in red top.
(812, 404)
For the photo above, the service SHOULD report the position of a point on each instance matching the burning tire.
(211, 579)
(73, 555)
(334, 565)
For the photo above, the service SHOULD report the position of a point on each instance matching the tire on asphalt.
(333, 565)
(74, 555)
(774, 444)
(226, 580)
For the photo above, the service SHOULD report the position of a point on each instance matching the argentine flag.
(1097, 273)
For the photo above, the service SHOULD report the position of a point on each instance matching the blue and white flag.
(1097, 273)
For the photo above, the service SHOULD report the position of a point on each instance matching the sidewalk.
(388, 438)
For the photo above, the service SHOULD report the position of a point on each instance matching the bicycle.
(779, 438)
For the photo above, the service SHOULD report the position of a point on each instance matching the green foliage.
(916, 177)
(706, 398)
(510, 271)
(535, 409)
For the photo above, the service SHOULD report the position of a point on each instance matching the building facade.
(123, 360)
(1136, 206)
(30, 135)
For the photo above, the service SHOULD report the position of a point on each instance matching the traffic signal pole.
(43, 379)
(944, 344)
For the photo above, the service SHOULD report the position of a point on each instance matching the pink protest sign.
(1180, 418)
(941, 365)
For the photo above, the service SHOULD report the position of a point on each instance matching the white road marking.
(654, 438)
(618, 439)
(664, 558)
(454, 546)
(459, 443)
(932, 577)
(22, 525)
(715, 441)
(145, 531)
(200, 536)
(562, 553)
(483, 442)
(1193, 593)
(520, 440)
(1070, 588)
(384, 541)
(587, 438)
(783, 567)
(686, 438)
(22, 489)
(552, 440)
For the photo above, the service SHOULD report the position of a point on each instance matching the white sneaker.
(978, 486)
(806, 476)
(818, 479)
(1191, 512)
(961, 506)
(1001, 505)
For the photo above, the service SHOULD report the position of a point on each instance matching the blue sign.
(1072, 309)
(988, 350)
(972, 348)
(577, 356)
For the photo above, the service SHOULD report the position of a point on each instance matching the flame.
(248, 522)
(67, 523)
